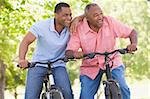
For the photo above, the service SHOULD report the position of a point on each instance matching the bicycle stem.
(108, 73)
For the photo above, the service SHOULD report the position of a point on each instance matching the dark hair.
(59, 6)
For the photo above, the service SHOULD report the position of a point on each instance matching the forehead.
(94, 9)
(65, 10)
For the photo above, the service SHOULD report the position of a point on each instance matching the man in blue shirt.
(51, 37)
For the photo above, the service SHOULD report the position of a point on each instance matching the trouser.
(34, 82)
(90, 87)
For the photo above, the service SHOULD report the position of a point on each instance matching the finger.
(129, 49)
(23, 65)
(71, 29)
(133, 49)
(74, 28)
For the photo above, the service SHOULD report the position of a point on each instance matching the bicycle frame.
(51, 90)
(106, 57)
(50, 85)
(112, 90)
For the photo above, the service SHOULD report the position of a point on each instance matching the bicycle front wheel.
(115, 92)
(44, 96)
(56, 94)
(112, 90)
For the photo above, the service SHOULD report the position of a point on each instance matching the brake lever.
(130, 52)
(29, 65)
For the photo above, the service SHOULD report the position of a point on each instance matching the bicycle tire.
(115, 91)
(43, 96)
(53, 93)
(112, 90)
(56, 94)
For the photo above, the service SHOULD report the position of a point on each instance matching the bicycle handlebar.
(92, 55)
(32, 64)
(89, 55)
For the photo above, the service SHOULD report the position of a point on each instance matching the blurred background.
(16, 16)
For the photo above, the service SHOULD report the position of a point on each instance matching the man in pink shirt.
(98, 33)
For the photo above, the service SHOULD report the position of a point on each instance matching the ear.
(55, 15)
(87, 17)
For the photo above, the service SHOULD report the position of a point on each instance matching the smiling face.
(64, 16)
(94, 16)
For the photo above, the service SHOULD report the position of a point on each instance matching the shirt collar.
(86, 26)
(52, 27)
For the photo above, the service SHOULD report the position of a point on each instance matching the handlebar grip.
(18, 65)
(124, 51)
(29, 65)
(65, 59)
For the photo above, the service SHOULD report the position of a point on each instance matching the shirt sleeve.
(74, 42)
(121, 30)
(34, 30)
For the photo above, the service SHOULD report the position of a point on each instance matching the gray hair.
(89, 6)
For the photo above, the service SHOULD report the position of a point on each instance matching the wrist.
(22, 59)
(135, 44)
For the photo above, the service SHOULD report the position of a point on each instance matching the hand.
(69, 54)
(73, 25)
(23, 63)
(78, 55)
(132, 48)
(75, 22)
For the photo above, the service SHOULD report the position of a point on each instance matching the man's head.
(94, 15)
(63, 14)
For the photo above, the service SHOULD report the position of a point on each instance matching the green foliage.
(15, 19)
(14, 78)
(73, 70)
(16, 16)
(11, 27)
(137, 15)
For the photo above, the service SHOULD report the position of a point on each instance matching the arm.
(23, 48)
(133, 41)
(123, 31)
(73, 46)
(75, 22)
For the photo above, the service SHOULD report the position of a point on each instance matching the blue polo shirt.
(50, 45)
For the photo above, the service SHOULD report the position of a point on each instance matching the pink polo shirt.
(105, 40)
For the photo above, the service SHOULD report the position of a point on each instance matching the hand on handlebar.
(132, 48)
(75, 22)
(78, 55)
(23, 63)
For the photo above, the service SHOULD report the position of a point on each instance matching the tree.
(10, 28)
(137, 15)
(16, 16)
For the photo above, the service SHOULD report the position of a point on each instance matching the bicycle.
(51, 90)
(111, 86)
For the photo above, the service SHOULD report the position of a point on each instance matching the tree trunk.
(15, 93)
(2, 79)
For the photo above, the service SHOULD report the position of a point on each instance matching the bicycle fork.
(112, 90)
(49, 83)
